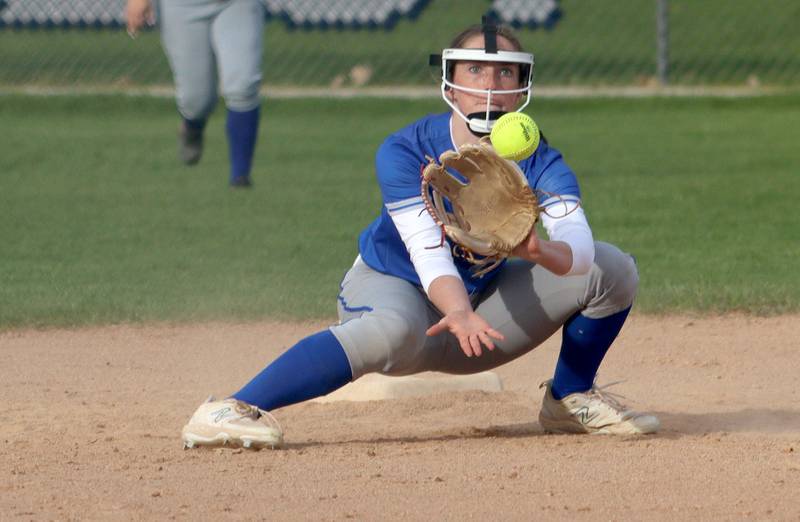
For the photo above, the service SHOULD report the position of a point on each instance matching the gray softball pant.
(383, 319)
(210, 43)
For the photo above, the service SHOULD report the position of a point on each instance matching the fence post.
(662, 41)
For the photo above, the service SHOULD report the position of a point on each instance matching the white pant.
(211, 42)
(383, 319)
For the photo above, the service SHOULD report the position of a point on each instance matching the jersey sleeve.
(548, 173)
(558, 193)
(398, 169)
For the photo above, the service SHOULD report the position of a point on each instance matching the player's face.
(497, 76)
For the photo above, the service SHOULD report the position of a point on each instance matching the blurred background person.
(208, 44)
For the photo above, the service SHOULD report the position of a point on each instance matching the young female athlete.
(405, 307)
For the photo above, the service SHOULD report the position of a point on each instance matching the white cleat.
(231, 422)
(594, 411)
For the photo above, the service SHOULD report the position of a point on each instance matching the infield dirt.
(91, 419)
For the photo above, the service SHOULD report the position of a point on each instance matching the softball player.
(211, 42)
(405, 307)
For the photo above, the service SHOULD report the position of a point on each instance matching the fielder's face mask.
(481, 123)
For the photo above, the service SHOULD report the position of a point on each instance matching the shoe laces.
(253, 412)
(256, 413)
(610, 398)
(246, 410)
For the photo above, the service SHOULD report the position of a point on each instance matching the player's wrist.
(556, 256)
(456, 314)
(529, 249)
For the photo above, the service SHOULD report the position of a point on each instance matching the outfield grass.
(101, 225)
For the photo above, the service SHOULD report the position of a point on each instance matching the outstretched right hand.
(138, 13)
(470, 329)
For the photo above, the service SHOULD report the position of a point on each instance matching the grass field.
(102, 225)
(599, 42)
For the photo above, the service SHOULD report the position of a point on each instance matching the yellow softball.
(515, 136)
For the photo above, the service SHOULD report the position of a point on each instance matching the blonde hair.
(502, 30)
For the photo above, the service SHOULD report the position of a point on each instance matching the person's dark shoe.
(190, 144)
(241, 182)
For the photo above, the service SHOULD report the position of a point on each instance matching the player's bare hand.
(471, 330)
(138, 13)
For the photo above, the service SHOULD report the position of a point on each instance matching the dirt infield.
(91, 421)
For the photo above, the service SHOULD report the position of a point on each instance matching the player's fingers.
(436, 329)
(487, 342)
(466, 347)
(495, 334)
(475, 342)
(133, 24)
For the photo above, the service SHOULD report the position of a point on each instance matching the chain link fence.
(358, 43)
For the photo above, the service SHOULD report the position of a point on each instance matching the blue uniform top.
(398, 164)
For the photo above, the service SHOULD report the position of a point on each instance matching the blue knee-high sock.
(584, 344)
(242, 131)
(315, 366)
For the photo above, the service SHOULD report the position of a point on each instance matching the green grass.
(727, 42)
(702, 192)
(102, 225)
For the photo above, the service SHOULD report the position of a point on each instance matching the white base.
(377, 387)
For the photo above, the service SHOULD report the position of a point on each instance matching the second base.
(376, 387)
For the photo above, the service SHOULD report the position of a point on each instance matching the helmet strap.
(489, 34)
(477, 122)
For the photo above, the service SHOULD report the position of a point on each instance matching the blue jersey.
(398, 164)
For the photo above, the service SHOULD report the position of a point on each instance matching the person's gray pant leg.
(382, 323)
(612, 284)
(238, 38)
(528, 304)
(383, 319)
(186, 37)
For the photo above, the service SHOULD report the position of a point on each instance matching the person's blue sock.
(315, 366)
(584, 343)
(242, 131)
